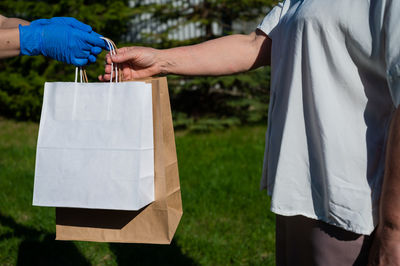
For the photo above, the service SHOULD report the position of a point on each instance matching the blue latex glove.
(73, 22)
(64, 39)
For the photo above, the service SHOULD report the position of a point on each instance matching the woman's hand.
(136, 62)
(385, 249)
(222, 56)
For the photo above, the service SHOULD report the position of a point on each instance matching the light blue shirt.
(335, 83)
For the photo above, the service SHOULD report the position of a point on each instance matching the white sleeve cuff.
(271, 20)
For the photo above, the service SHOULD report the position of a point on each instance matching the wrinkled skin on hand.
(136, 62)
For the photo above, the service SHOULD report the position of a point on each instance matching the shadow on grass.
(41, 248)
(137, 254)
(49, 252)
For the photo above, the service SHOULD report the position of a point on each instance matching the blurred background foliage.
(198, 103)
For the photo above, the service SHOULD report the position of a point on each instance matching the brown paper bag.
(155, 223)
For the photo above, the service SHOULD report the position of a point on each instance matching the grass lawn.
(225, 221)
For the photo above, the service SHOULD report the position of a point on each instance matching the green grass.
(226, 219)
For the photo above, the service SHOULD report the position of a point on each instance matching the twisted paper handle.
(116, 68)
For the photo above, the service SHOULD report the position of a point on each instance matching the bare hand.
(136, 62)
(385, 249)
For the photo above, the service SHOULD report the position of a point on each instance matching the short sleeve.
(391, 31)
(272, 19)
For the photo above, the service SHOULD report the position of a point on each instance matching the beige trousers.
(303, 241)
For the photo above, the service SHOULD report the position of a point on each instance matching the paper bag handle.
(84, 79)
(113, 51)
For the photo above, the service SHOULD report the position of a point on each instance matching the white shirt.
(335, 83)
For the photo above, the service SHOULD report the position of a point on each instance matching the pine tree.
(198, 103)
(203, 13)
(203, 102)
(22, 78)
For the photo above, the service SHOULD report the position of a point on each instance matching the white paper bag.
(95, 146)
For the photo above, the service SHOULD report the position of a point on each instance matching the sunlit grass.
(226, 218)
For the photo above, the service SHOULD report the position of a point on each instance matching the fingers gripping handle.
(112, 47)
(118, 74)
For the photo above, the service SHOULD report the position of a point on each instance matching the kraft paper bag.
(95, 146)
(153, 224)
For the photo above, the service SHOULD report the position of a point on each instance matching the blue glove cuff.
(29, 40)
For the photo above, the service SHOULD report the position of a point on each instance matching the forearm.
(9, 36)
(9, 42)
(390, 198)
(222, 56)
(6, 23)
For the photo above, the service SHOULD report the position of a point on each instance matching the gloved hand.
(64, 39)
(73, 22)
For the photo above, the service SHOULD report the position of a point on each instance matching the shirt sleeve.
(391, 31)
(271, 19)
